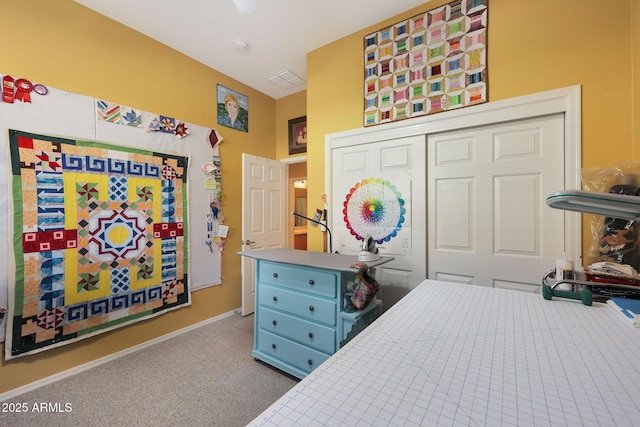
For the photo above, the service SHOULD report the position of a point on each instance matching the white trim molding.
(292, 160)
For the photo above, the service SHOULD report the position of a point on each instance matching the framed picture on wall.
(233, 109)
(298, 135)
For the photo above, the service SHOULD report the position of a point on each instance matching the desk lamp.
(609, 204)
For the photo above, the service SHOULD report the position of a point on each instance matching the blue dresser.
(299, 316)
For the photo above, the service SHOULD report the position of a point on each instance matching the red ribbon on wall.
(23, 90)
(7, 89)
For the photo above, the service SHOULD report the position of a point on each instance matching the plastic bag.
(614, 239)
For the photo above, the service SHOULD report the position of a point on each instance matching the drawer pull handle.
(275, 275)
(274, 323)
(311, 335)
(310, 362)
(312, 282)
(311, 308)
(273, 346)
(275, 298)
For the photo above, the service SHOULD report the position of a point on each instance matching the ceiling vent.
(285, 79)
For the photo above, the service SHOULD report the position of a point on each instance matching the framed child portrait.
(298, 135)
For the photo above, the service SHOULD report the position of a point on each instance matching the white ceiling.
(279, 33)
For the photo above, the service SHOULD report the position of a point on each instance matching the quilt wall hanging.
(99, 239)
(433, 62)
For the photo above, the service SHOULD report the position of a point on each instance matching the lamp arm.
(319, 223)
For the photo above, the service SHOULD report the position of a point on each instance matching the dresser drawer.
(307, 333)
(301, 279)
(307, 306)
(303, 358)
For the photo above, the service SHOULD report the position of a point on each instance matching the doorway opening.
(297, 202)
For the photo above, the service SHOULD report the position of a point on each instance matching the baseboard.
(76, 370)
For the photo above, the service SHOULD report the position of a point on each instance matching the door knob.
(247, 242)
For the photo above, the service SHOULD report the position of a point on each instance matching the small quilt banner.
(433, 62)
(99, 239)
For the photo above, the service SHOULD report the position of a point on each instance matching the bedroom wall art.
(435, 61)
(232, 109)
(99, 238)
(55, 113)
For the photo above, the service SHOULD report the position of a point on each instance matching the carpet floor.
(204, 377)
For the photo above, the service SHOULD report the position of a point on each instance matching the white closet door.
(487, 218)
(398, 165)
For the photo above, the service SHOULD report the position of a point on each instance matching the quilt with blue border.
(99, 239)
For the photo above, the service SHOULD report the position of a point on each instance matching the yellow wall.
(67, 46)
(287, 108)
(297, 170)
(635, 47)
(532, 47)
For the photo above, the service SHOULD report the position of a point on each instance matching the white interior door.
(263, 216)
(488, 222)
(381, 190)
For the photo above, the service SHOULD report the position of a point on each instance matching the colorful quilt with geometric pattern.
(433, 62)
(99, 239)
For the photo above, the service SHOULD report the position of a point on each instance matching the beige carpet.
(205, 377)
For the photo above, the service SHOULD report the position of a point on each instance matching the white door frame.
(565, 100)
(289, 161)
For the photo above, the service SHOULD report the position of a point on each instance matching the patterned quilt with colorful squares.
(99, 239)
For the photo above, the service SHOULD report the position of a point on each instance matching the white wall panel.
(454, 214)
(355, 162)
(518, 145)
(453, 151)
(517, 215)
(395, 158)
(275, 219)
(257, 201)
